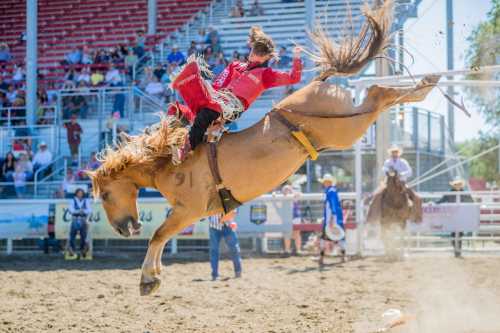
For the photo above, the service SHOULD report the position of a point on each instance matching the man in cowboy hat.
(80, 208)
(398, 164)
(233, 91)
(457, 185)
(332, 215)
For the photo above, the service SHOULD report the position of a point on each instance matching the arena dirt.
(446, 295)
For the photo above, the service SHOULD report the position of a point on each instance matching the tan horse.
(253, 161)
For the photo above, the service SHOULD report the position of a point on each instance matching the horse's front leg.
(151, 266)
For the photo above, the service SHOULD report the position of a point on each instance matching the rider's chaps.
(229, 203)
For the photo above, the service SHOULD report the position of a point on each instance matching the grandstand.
(65, 25)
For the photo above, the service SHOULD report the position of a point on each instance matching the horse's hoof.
(147, 288)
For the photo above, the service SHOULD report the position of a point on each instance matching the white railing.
(41, 177)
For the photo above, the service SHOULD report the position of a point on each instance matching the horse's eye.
(105, 196)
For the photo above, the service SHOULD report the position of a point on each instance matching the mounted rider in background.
(398, 164)
(232, 92)
(395, 163)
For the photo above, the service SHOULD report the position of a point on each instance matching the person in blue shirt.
(176, 56)
(332, 216)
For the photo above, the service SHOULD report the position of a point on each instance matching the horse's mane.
(350, 54)
(156, 142)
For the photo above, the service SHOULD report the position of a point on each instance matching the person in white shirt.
(43, 157)
(398, 164)
(113, 76)
(84, 76)
(80, 208)
(155, 88)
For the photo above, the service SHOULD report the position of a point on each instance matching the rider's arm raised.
(273, 78)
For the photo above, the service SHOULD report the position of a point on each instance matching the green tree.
(486, 166)
(485, 50)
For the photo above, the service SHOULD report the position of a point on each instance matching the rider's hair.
(261, 43)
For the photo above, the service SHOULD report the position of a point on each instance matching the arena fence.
(263, 223)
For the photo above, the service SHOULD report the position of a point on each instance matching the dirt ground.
(440, 293)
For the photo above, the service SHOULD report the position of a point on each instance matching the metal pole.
(152, 16)
(10, 246)
(450, 65)
(211, 14)
(358, 182)
(310, 19)
(416, 144)
(309, 176)
(174, 248)
(384, 121)
(31, 63)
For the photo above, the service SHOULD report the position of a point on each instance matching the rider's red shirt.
(247, 81)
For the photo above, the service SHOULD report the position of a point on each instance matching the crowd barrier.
(260, 218)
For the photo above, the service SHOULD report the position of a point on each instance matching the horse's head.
(119, 200)
(393, 181)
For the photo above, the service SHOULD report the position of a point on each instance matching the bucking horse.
(251, 162)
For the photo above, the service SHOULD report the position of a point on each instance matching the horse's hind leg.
(151, 266)
(384, 97)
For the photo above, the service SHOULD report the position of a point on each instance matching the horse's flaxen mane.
(157, 141)
(351, 53)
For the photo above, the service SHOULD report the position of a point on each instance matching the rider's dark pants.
(201, 122)
(78, 225)
(457, 247)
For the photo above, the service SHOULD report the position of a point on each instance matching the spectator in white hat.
(43, 157)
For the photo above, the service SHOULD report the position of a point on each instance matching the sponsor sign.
(23, 220)
(448, 218)
(258, 217)
(152, 215)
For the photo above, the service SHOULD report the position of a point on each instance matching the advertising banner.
(152, 215)
(24, 220)
(258, 217)
(448, 218)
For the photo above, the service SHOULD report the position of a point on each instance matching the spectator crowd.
(86, 68)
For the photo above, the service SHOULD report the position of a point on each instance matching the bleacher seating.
(65, 24)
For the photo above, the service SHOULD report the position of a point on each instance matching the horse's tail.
(350, 54)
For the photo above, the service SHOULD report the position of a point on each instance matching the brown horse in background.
(253, 161)
(391, 206)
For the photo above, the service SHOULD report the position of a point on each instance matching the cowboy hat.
(328, 178)
(393, 149)
(457, 182)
